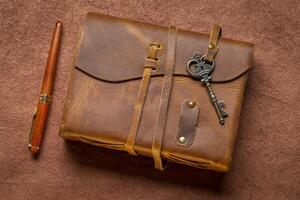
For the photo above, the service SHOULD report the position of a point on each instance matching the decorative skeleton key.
(200, 69)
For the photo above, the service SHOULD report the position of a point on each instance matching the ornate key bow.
(198, 68)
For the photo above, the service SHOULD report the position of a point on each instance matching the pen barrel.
(38, 126)
(40, 119)
(49, 75)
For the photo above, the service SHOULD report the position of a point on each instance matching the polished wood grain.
(40, 117)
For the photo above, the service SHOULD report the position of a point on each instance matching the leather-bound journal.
(161, 92)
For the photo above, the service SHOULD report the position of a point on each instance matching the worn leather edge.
(65, 107)
(120, 146)
(229, 154)
(157, 75)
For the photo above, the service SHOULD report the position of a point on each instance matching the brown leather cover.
(106, 79)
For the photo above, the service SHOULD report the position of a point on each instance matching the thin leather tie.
(164, 99)
(150, 64)
(212, 44)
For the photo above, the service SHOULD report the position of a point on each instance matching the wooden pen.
(41, 112)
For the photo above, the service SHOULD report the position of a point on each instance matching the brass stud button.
(211, 46)
(182, 139)
(192, 104)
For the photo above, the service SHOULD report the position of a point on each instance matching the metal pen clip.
(32, 124)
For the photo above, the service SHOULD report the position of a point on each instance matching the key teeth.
(224, 114)
(221, 104)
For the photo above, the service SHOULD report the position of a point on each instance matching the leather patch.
(187, 123)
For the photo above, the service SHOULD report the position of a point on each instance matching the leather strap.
(212, 45)
(164, 99)
(150, 64)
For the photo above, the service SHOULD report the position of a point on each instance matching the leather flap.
(115, 50)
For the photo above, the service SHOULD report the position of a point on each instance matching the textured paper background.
(266, 159)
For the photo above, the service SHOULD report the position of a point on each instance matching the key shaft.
(217, 105)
